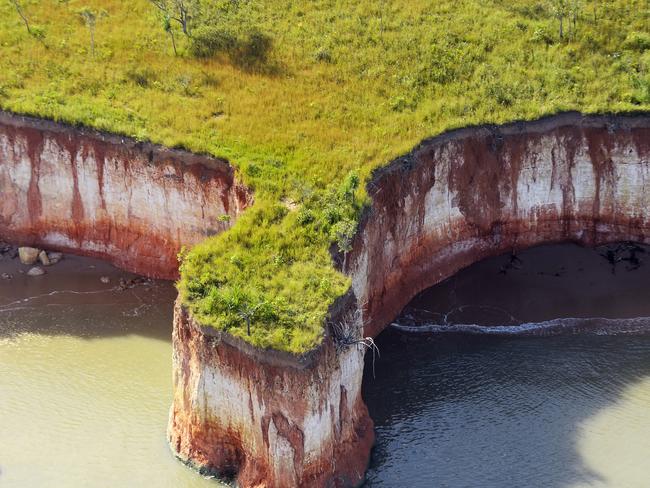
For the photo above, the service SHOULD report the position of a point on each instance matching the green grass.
(346, 86)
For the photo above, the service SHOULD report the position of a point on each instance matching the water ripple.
(592, 325)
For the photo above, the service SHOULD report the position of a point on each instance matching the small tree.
(344, 232)
(22, 15)
(575, 10)
(560, 10)
(90, 18)
(245, 305)
(247, 312)
(167, 27)
(181, 11)
(349, 187)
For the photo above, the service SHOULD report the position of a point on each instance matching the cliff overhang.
(455, 199)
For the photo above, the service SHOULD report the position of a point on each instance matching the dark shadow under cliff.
(458, 410)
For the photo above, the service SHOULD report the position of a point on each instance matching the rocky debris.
(513, 263)
(28, 255)
(627, 252)
(42, 257)
(7, 250)
(126, 284)
(105, 280)
(36, 271)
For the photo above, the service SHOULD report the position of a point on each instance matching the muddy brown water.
(85, 378)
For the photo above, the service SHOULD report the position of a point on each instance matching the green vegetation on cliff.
(306, 99)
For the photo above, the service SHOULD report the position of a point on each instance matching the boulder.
(55, 257)
(28, 255)
(42, 257)
(36, 271)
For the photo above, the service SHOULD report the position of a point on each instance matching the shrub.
(254, 48)
(641, 94)
(249, 49)
(323, 55)
(637, 41)
(141, 76)
(38, 32)
(501, 93)
(206, 41)
(542, 35)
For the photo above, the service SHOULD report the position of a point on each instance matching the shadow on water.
(83, 297)
(455, 410)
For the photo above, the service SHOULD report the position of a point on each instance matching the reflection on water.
(619, 431)
(457, 410)
(510, 412)
(85, 380)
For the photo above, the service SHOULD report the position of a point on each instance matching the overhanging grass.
(347, 87)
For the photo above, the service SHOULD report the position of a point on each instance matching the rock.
(55, 257)
(6, 276)
(125, 284)
(42, 257)
(28, 255)
(36, 271)
(105, 279)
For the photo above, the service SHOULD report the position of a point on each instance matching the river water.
(85, 378)
(470, 402)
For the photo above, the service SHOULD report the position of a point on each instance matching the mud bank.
(134, 204)
(454, 200)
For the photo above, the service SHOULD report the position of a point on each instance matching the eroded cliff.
(454, 200)
(277, 420)
(267, 418)
(472, 193)
(135, 204)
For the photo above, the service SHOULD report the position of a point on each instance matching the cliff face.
(279, 421)
(267, 418)
(473, 193)
(132, 203)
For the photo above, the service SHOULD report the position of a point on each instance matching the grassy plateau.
(305, 99)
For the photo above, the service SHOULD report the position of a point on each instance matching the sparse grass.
(341, 87)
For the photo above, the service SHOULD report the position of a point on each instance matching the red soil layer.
(134, 204)
(254, 416)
